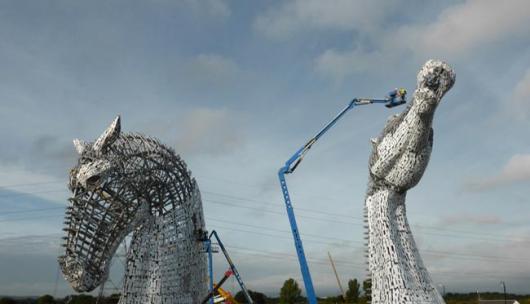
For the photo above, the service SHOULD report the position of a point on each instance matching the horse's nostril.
(93, 180)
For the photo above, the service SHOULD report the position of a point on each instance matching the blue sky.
(236, 87)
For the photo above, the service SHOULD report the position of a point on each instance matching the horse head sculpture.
(398, 161)
(128, 183)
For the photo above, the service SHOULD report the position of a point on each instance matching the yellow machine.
(225, 297)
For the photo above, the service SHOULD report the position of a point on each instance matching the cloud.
(516, 170)
(216, 8)
(45, 244)
(52, 148)
(520, 102)
(209, 131)
(456, 32)
(339, 64)
(212, 69)
(306, 15)
(474, 265)
(39, 155)
(467, 26)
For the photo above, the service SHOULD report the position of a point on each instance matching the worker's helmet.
(402, 92)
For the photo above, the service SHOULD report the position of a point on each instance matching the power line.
(246, 199)
(428, 251)
(31, 218)
(320, 261)
(270, 235)
(488, 236)
(32, 184)
(31, 193)
(283, 256)
(280, 230)
(360, 223)
(431, 252)
(281, 205)
(32, 210)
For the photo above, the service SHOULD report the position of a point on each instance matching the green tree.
(367, 291)
(353, 292)
(7, 301)
(82, 299)
(112, 299)
(290, 292)
(46, 299)
(257, 297)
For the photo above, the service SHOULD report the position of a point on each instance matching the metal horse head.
(402, 151)
(120, 181)
(398, 161)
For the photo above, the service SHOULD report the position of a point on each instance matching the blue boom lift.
(395, 98)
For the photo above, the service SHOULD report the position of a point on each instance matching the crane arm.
(395, 98)
(292, 163)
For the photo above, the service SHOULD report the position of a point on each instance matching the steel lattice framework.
(399, 159)
(128, 183)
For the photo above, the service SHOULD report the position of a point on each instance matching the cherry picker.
(395, 98)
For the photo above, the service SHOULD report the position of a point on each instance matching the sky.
(236, 87)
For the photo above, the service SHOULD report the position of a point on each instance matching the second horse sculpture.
(127, 183)
(399, 159)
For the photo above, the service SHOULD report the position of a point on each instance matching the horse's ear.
(109, 136)
(80, 145)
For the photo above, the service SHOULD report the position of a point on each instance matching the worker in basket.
(396, 97)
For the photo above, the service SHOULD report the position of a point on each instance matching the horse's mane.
(172, 175)
(136, 142)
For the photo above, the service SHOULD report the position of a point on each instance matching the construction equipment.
(212, 292)
(226, 296)
(395, 98)
(233, 270)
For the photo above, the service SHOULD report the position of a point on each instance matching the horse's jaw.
(79, 275)
(96, 225)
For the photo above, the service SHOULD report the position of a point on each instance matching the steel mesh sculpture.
(399, 158)
(127, 183)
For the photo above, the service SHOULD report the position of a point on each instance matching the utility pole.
(337, 276)
(504, 287)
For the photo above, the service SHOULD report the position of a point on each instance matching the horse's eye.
(93, 180)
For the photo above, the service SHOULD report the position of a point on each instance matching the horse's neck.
(397, 271)
(165, 263)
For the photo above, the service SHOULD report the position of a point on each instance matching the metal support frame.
(292, 163)
(208, 245)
